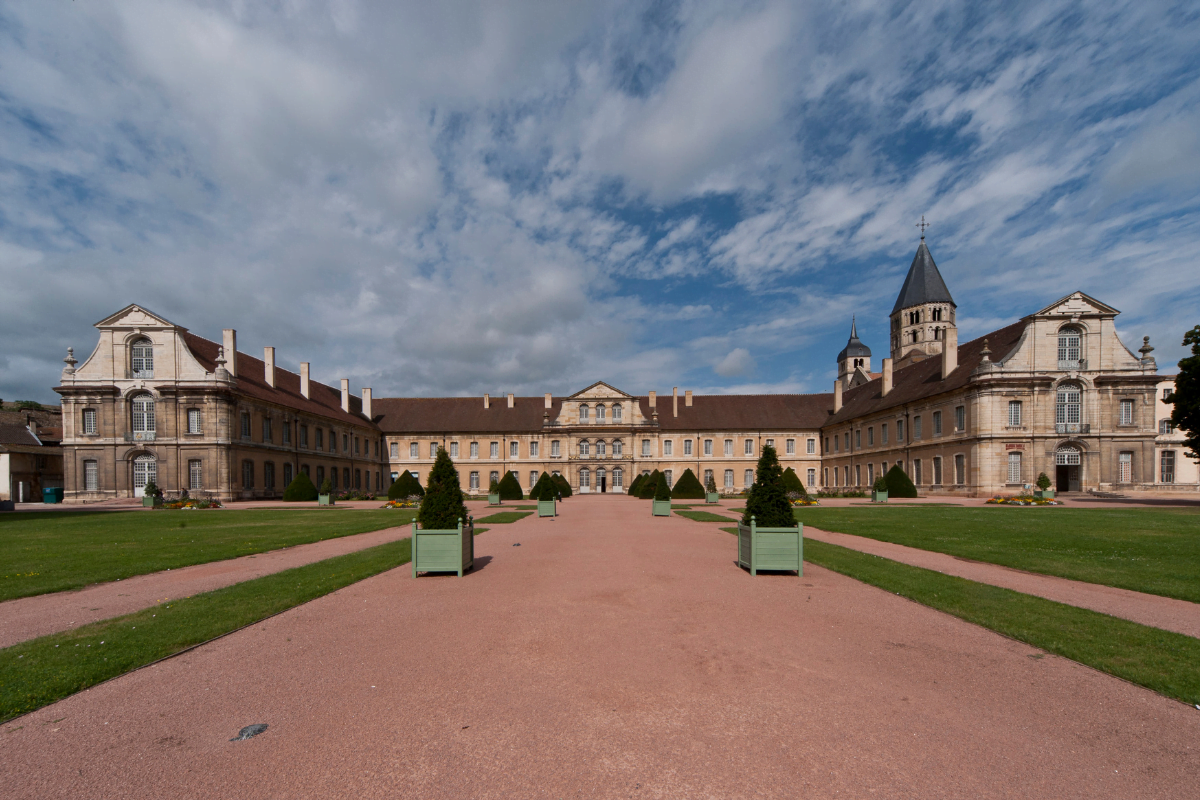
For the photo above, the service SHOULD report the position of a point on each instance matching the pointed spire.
(854, 347)
(924, 283)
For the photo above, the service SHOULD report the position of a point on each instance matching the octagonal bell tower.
(923, 313)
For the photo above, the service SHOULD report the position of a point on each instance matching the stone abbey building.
(1055, 392)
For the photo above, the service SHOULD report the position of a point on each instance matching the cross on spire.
(922, 225)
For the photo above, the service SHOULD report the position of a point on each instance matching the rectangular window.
(827, 443)
(346, 477)
(825, 476)
(193, 420)
(917, 428)
(729, 447)
(321, 476)
(917, 471)
(858, 474)
(245, 425)
(195, 474)
(533, 449)
(1167, 463)
(1126, 412)
(454, 449)
(748, 478)
(247, 474)
(937, 471)
(356, 450)
(871, 474)
(748, 450)
(287, 475)
(858, 439)
(645, 447)
(555, 452)
(333, 475)
(433, 448)
(493, 477)
(899, 431)
(494, 450)
(708, 450)
(1125, 468)
(837, 444)
(287, 433)
(728, 479)
(1014, 413)
(332, 441)
(937, 423)
(268, 476)
(846, 475)
(668, 447)
(474, 484)
(770, 442)
(670, 477)
(345, 445)
(474, 449)
(687, 447)
(870, 437)
(960, 418)
(514, 449)
(960, 469)
(708, 476)
(847, 435)
(883, 433)
(812, 478)
(811, 447)
(266, 430)
(304, 436)
(533, 478)
(414, 450)
(395, 450)
(319, 438)
(791, 447)
(89, 421)
(91, 476)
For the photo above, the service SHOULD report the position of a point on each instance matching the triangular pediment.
(599, 391)
(1076, 304)
(135, 316)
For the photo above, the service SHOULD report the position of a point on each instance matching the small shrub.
(768, 502)
(404, 486)
(711, 486)
(509, 488)
(29, 405)
(880, 484)
(898, 483)
(1043, 481)
(301, 489)
(443, 505)
(326, 487)
(688, 487)
(151, 489)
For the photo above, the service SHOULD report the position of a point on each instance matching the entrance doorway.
(602, 480)
(1067, 466)
(145, 470)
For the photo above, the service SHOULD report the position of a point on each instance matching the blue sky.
(468, 197)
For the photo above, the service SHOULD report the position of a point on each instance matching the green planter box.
(770, 548)
(443, 550)
(494, 499)
(152, 502)
(324, 499)
(711, 497)
(1044, 494)
(662, 508)
(546, 508)
(878, 497)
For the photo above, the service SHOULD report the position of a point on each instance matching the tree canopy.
(1186, 397)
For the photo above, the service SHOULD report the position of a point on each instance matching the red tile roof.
(17, 435)
(725, 412)
(461, 414)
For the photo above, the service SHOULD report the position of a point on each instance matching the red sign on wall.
(1014, 447)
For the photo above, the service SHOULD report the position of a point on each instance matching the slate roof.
(416, 415)
(323, 400)
(17, 435)
(724, 412)
(854, 348)
(924, 378)
(923, 284)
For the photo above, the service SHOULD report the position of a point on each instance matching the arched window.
(584, 413)
(142, 359)
(1067, 455)
(600, 413)
(1068, 407)
(616, 418)
(585, 449)
(1070, 348)
(1165, 426)
(600, 448)
(145, 470)
(600, 475)
(618, 476)
(617, 448)
(142, 421)
(585, 477)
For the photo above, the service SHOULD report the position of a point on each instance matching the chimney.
(269, 365)
(366, 408)
(346, 395)
(687, 398)
(549, 401)
(837, 395)
(887, 376)
(487, 401)
(654, 399)
(950, 352)
(304, 378)
(510, 399)
(675, 401)
(229, 340)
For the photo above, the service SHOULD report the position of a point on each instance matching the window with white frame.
(669, 475)
(1126, 412)
(618, 476)
(917, 471)
(825, 476)
(143, 414)
(89, 422)
(266, 430)
(193, 420)
(870, 437)
(1165, 426)
(1069, 348)
(533, 477)
(534, 447)
(812, 478)
(645, 447)
(1167, 466)
(618, 447)
(687, 447)
(142, 359)
(937, 423)
(728, 479)
(708, 449)
(454, 449)
(917, 428)
(729, 447)
(770, 443)
(474, 449)
(748, 478)
(195, 474)
(899, 431)
(846, 475)
(847, 441)
(1167, 392)
(937, 470)
(433, 448)
(1125, 468)
(91, 476)
(837, 443)
(960, 418)
(858, 474)
(668, 447)
(960, 469)
(585, 449)
(555, 450)
(617, 415)
(1014, 413)
(395, 450)
(584, 413)
(1068, 406)
(585, 477)
(600, 448)
(1067, 455)
(811, 447)
(493, 478)
(708, 476)
(494, 450)
(414, 450)
(474, 481)
(748, 448)
(883, 433)
(514, 449)
(871, 474)
(790, 446)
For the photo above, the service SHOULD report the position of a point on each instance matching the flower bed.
(1022, 501)
(192, 505)
(354, 494)
(805, 501)
(399, 504)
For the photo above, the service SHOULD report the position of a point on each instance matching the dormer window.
(142, 359)
(584, 413)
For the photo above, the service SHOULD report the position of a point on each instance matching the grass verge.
(50, 551)
(1165, 662)
(1153, 550)
(504, 517)
(39, 672)
(704, 516)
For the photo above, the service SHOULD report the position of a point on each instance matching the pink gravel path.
(610, 655)
(1148, 609)
(30, 617)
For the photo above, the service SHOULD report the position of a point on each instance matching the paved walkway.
(30, 617)
(611, 654)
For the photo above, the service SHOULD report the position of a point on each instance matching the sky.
(463, 197)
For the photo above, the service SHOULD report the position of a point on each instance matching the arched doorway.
(601, 480)
(145, 470)
(1068, 464)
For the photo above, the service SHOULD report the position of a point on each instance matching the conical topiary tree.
(768, 502)
(636, 485)
(300, 490)
(898, 483)
(405, 486)
(649, 485)
(443, 505)
(510, 488)
(544, 489)
(564, 487)
(688, 487)
(792, 482)
(661, 490)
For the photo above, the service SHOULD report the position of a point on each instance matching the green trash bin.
(52, 494)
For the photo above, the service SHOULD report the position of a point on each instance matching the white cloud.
(737, 363)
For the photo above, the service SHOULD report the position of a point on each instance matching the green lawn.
(503, 517)
(704, 516)
(1165, 662)
(1143, 549)
(53, 551)
(41, 671)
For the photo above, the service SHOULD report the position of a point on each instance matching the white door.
(145, 470)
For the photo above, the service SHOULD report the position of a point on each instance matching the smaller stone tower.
(923, 312)
(855, 356)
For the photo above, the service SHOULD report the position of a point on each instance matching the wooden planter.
(711, 497)
(770, 548)
(662, 508)
(878, 497)
(324, 499)
(1045, 494)
(546, 508)
(443, 550)
(494, 499)
(152, 502)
